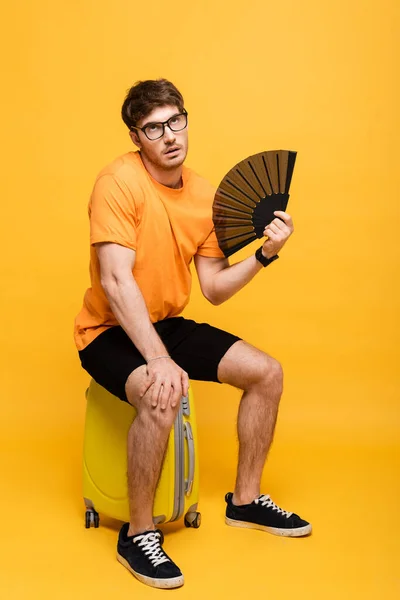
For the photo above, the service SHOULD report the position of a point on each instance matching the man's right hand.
(168, 382)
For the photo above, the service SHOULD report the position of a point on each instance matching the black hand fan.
(248, 195)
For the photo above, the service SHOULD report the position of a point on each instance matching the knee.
(270, 372)
(157, 418)
(274, 369)
(134, 386)
(151, 416)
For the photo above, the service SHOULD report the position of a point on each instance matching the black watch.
(263, 260)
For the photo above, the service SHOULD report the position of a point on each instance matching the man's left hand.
(278, 232)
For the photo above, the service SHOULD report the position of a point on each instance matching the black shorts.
(195, 347)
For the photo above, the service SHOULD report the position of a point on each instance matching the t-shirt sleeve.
(210, 247)
(112, 213)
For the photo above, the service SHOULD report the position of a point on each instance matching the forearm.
(129, 308)
(227, 282)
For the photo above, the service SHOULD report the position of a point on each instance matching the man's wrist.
(263, 259)
(158, 357)
(267, 254)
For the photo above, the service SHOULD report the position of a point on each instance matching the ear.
(135, 138)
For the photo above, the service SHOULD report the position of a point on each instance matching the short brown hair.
(147, 95)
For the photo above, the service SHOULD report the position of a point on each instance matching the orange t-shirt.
(166, 227)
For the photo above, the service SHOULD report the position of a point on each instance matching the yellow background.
(317, 77)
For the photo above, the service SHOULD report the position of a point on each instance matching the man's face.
(169, 151)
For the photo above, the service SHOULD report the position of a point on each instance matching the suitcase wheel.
(91, 516)
(193, 519)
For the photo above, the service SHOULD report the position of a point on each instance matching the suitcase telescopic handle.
(190, 441)
(186, 406)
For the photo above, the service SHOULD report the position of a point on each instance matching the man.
(149, 217)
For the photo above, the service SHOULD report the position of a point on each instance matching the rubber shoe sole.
(167, 584)
(298, 532)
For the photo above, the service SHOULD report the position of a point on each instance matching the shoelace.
(266, 501)
(150, 543)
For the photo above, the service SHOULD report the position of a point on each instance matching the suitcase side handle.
(190, 441)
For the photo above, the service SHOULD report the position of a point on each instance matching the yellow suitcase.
(105, 488)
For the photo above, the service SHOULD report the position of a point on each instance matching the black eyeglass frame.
(163, 123)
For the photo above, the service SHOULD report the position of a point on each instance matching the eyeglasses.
(155, 131)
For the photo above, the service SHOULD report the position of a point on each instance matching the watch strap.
(263, 260)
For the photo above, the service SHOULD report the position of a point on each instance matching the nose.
(169, 135)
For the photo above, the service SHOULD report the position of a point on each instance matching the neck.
(172, 179)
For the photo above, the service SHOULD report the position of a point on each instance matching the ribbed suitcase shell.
(105, 460)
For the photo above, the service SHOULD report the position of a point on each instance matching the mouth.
(172, 150)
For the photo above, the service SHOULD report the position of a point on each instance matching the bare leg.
(261, 378)
(147, 442)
